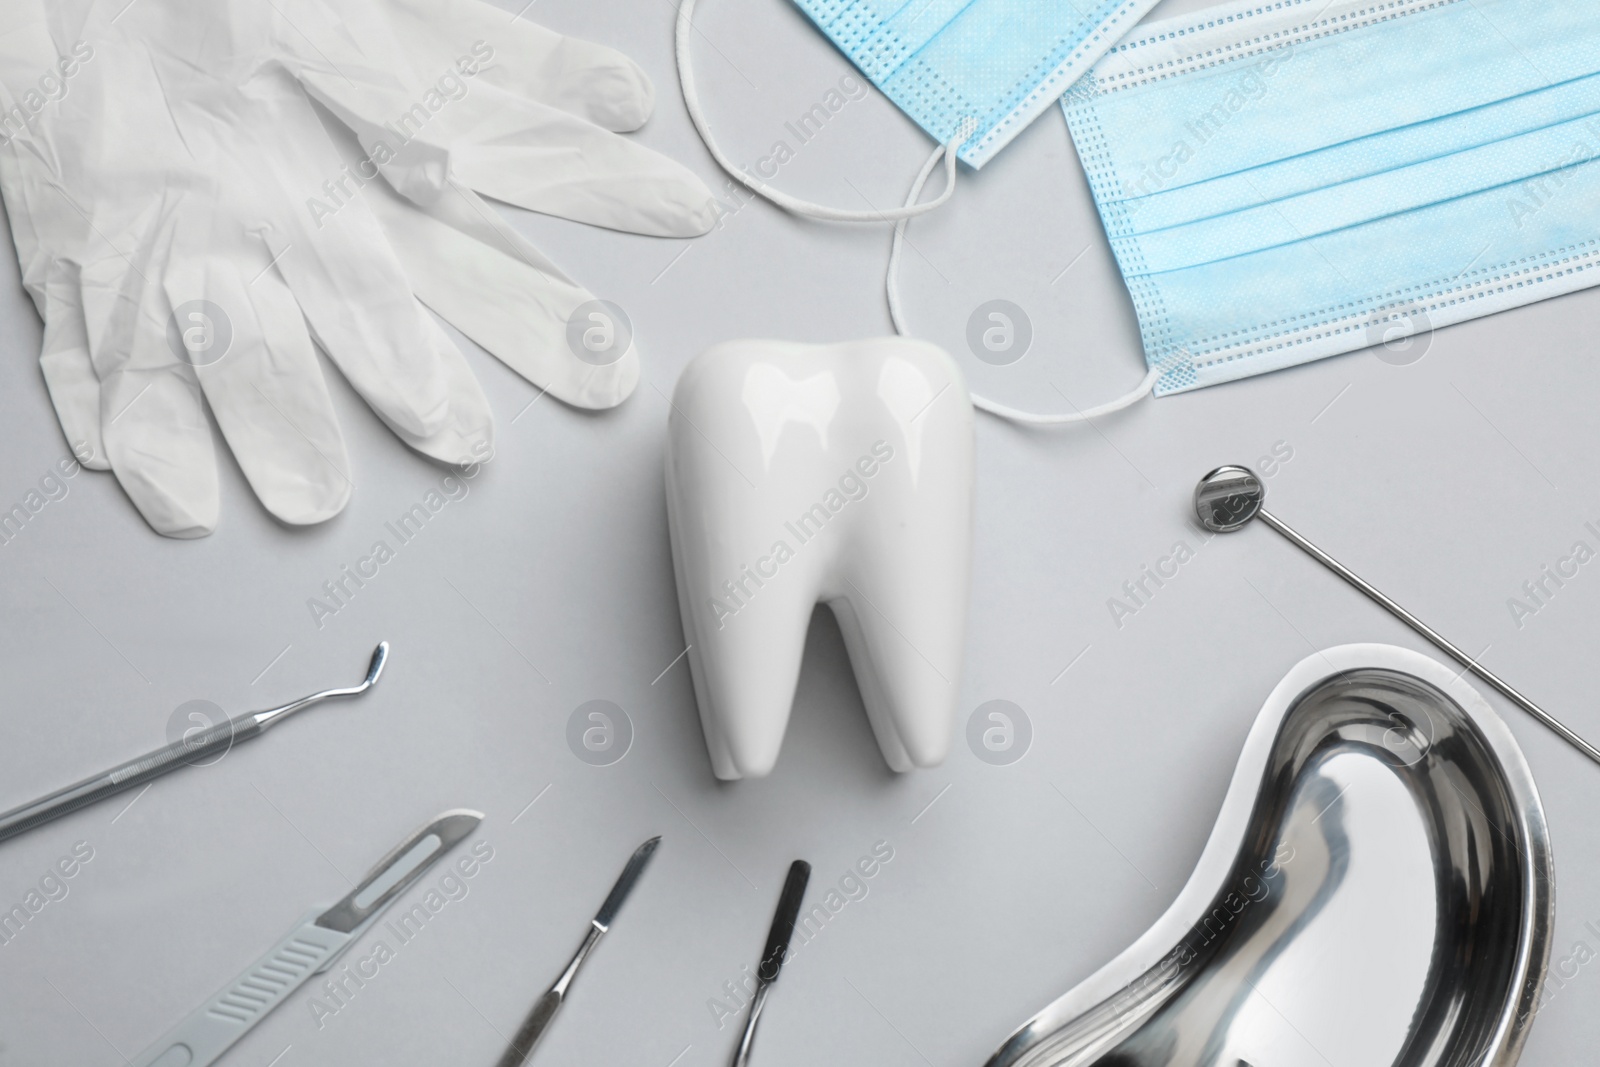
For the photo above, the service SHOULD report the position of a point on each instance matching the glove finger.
(524, 59)
(68, 371)
(75, 395)
(265, 386)
(330, 271)
(152, 419)
(524, 153)
(55, 286)
(546, 160)
(22, 178)
(347, 257)
(493, 286)
(333, 257)
(468, 435)
(359, 308)
(160, 448)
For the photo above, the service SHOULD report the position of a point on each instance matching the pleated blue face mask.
(994, 64)
(1285, 181)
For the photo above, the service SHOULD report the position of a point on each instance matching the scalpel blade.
(630, 874)
(399, 870)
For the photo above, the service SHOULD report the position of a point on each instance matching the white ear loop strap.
(891, 285)
(691, 100)
(899, 216)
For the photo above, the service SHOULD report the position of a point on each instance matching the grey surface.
(1447, 483)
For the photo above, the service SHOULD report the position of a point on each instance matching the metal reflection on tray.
(1377, 890)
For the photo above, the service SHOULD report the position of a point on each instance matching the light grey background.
(1447, 482)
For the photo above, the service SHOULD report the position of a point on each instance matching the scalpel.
(313, 946)
(544, 1009)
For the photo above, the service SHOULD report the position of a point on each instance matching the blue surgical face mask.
(973, 73)
(1289, 180)
(997, 64)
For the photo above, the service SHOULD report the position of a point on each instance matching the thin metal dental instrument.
(544, 1009)
(778, 938)
(1229, 497)
(212, 741)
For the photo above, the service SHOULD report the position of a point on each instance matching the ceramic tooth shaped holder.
(840, 474)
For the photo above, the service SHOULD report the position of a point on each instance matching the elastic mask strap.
(898, 216)
(691, 100)
(891, 285)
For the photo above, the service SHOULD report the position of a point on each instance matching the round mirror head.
(1227, 498)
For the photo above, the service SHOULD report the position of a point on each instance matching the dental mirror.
(1229, 497)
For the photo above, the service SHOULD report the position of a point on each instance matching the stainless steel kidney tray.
(1377, 890)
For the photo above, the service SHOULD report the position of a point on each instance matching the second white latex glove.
(223, 148)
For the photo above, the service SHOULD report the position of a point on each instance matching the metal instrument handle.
(209, 742)
(544, 1009)
(1438, 640)
(741, 1055)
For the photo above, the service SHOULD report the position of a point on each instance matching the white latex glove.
(174, 157)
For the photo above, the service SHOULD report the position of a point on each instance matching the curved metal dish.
(1377, 890)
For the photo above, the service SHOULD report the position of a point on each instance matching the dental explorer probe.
(772, 957)
(1229, 497)
(212, 741)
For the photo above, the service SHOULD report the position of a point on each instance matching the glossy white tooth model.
(835, 473)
